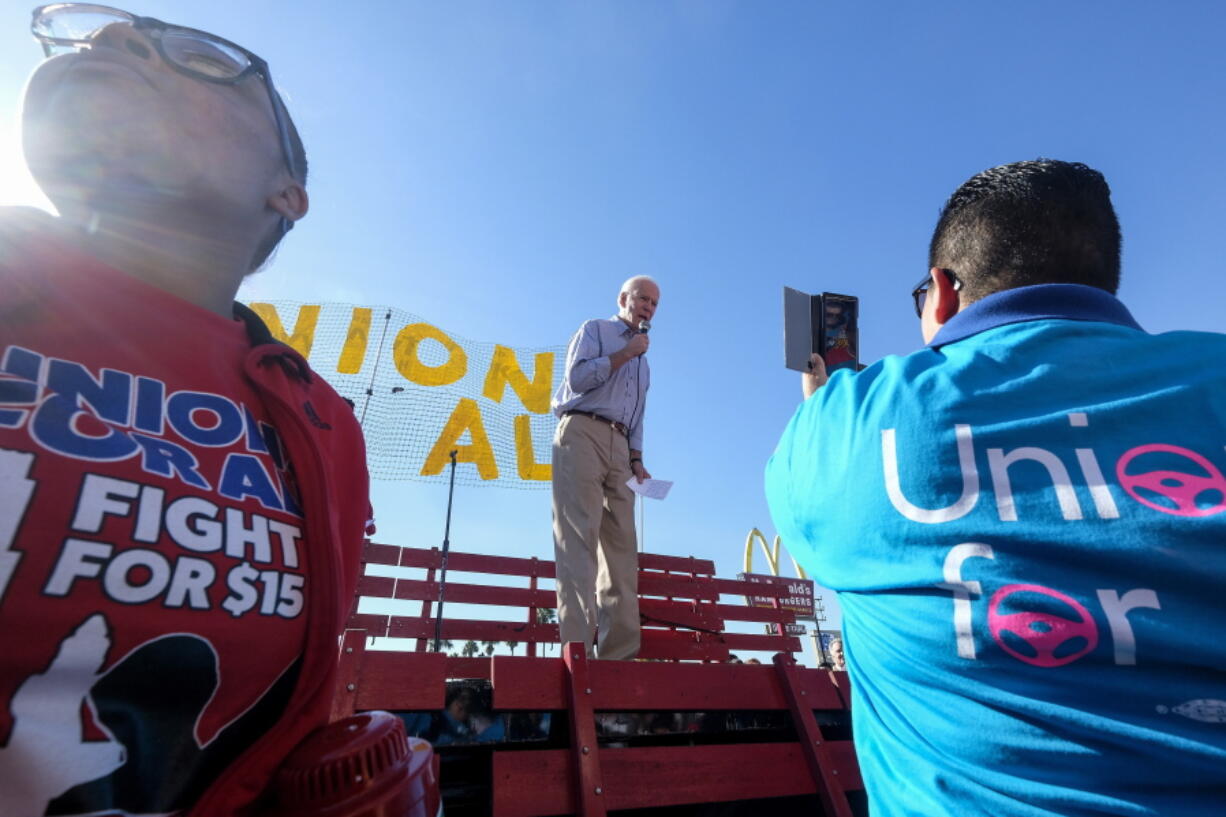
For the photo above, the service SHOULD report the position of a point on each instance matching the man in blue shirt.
(1025, 524)
(597, 448)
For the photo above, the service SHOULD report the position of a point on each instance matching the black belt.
(625, 432)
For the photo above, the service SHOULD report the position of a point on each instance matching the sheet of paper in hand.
(650, 488)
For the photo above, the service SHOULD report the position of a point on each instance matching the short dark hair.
(1037, 222)
(299, 169)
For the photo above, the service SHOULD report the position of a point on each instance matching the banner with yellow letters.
(421, 392)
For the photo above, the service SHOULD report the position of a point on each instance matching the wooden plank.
(841, 682)
(408, 681)
(767, 615)
(693, 615)
(820, 688)
(374, 553)
(584, 751)
(373, 625)
(693, 646)
(424, 558)
(353, 648)
(736, 587)
(479, 563)
(474, 629)
(768, 643)
(401, 680)
(415, 590)
(684, 587)
(459, 667)
(677, 564)
(703, 774)
(815, 747)
(424, 644)
(379, 587)
(641, 686)
(533, 783)
(532, 616)
(533, 684)
(842, 756)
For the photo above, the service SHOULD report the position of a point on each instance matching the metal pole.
(442, 581)
(642, 524)
(823, 662)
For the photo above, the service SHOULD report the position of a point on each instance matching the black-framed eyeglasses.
(194, 53)
(920, 293)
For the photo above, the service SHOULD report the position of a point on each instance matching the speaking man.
(598, 447)
(1025, 523)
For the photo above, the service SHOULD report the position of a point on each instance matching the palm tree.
(511, 645)
(489, 647)
(445, 645)
(470, 649)
(546, 615)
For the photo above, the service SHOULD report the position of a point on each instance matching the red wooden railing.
(684, 620)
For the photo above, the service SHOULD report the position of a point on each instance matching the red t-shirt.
(152, 570)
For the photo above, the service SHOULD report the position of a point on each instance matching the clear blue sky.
(500, 167)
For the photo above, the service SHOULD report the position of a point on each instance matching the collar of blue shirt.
(618, 323)
(1073, 302)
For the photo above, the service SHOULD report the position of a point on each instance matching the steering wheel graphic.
(1177, 487)
(1044, 633)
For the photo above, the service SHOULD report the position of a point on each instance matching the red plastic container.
(362, 766)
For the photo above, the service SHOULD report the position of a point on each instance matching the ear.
(292, 201)
(621, 299)
(946, 302)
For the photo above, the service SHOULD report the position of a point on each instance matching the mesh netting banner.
(421, 392)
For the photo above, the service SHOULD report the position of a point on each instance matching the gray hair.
(630, 284)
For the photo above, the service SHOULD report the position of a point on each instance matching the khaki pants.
(594, 542)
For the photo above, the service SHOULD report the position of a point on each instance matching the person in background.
(183, 499)
(1024, 521)
(837, 659)
(597, 449)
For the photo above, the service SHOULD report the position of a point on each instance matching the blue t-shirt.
(1026, 526)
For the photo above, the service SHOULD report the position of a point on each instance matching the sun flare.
(16, 184)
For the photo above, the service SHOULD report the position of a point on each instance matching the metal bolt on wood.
(350, 687)
(586, 750)
(588, 690)
(599, 790)
(349, 650)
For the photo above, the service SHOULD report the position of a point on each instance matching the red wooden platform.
(683, 630)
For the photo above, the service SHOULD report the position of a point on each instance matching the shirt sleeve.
(823, 477)
(794, 447)
(585, 368)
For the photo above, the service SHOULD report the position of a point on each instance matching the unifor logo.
(1165, 478)
(1038, 625)
(1172, 490)
(1041, 637)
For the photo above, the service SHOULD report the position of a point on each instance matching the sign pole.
(442, 582)
(819, 651)
(642, 524)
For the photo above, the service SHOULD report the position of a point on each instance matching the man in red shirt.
(182, 501)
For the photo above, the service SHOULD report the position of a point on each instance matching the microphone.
(644, 327)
